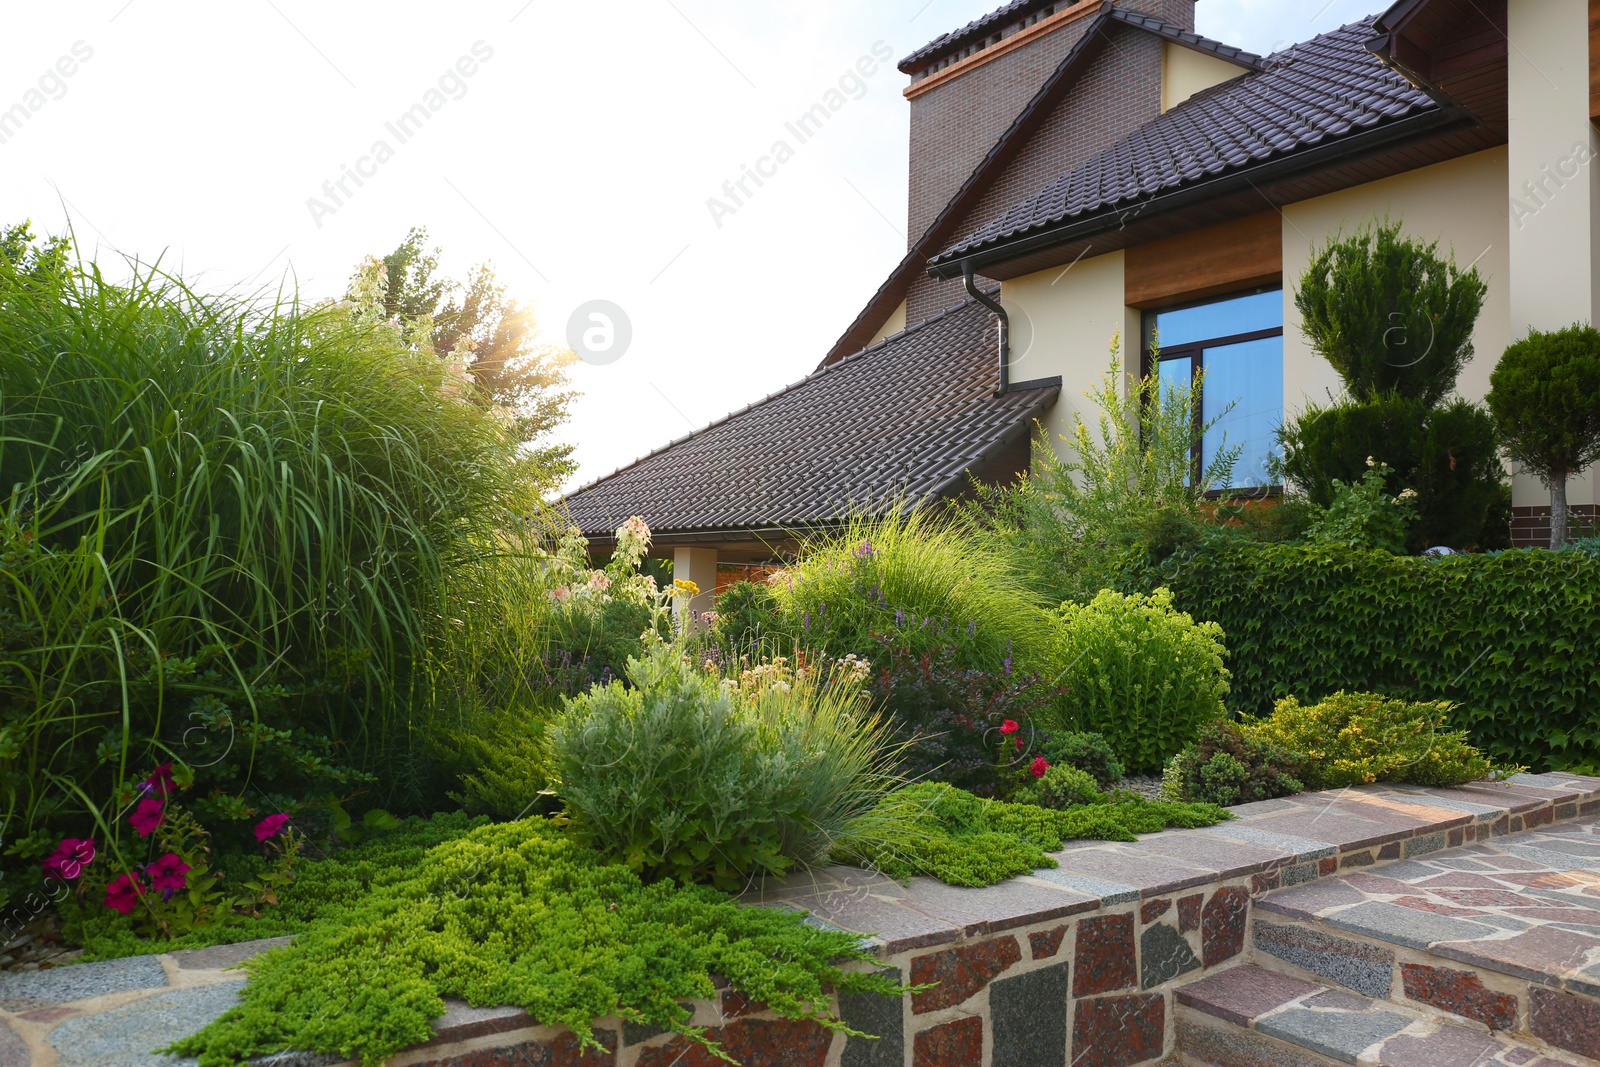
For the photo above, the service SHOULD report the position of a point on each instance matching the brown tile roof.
(1312, 94)
(901, 420)
(991, 27)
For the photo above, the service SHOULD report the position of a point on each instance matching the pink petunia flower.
(123, 894)
(69, 859)
(1009, 727)
(1040, 766)
(270, 826)
(149, 815)
(160, 782)
(167, 873)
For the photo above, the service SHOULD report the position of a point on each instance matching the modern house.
(1080, 170)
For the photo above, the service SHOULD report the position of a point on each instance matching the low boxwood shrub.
(1352, 738)
(1060, 787)
(690, 775)
(1087, 751)
(1511, 639)
(1229, 765)
(1142, 673)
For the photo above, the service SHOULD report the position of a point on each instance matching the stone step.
(1248, 1016)
(1505, 933)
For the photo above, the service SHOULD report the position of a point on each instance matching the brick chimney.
(968, 86)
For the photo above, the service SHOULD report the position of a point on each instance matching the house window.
(1238, 342)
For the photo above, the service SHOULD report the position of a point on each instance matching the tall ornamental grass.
(209, 497)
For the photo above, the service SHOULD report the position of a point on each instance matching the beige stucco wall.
(891, 326)
(1185, 72)
(1062, 322)
(1554, 187)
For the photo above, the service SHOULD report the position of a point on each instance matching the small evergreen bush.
(1228, 765)
(1142, 673)
(1060, 788)
(1088, 752)
(1352, 738)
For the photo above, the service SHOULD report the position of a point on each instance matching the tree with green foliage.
(491, 341)
(1395, 319)
(1390, 314)
(1545, 398)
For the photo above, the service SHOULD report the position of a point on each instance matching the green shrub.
(1142, 673)
(1449, 456)
(1511, 639)
(682, 775)
(1061, 787)
(1389, 313)
(1104, 487)
(521, 914)
(1364, 515)
(1229, 765)
(1088, 752)
(924, 578)
(936, 829)
(1352, 738)
(749, 621)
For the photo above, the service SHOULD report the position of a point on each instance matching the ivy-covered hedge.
(1511, 638)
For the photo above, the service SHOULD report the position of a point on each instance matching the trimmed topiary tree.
(1390, 314)
(1395, 320)
(1545, 399)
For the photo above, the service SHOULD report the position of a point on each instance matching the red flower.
(167, 872)
(1040, 765)
(270, 826)
(148, 816)
(69, 859)
(1009, 727)
(1019, 744)
(160, 782)
(123, 894)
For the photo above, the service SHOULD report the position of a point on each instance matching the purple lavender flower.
(805, 620)
(972, 627)
(865, 550)
(899, 617)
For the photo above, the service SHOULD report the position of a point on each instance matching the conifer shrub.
(1230, 765)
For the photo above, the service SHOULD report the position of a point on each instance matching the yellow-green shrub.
(1142, 673)
(1352, 738)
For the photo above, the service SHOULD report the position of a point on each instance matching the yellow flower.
(684, 588)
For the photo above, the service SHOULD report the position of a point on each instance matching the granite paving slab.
(1303, 1023)
(128, 1036)
(79, 981)
(1528, 907)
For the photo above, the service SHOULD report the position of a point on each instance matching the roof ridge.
(1188, 38)
(937, 316)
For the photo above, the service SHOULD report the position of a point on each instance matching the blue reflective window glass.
(1221, 318)
(1249, 376)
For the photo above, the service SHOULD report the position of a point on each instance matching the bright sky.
(575, 145)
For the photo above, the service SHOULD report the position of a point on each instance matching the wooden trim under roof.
(1594, 59)
(1205, 262)
(1006, 45)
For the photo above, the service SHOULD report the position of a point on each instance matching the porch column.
(698, 565)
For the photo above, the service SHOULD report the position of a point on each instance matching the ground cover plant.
(522, 914)
(938, 830)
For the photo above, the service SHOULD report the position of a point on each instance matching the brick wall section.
(1530, 526)
(955, 124)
